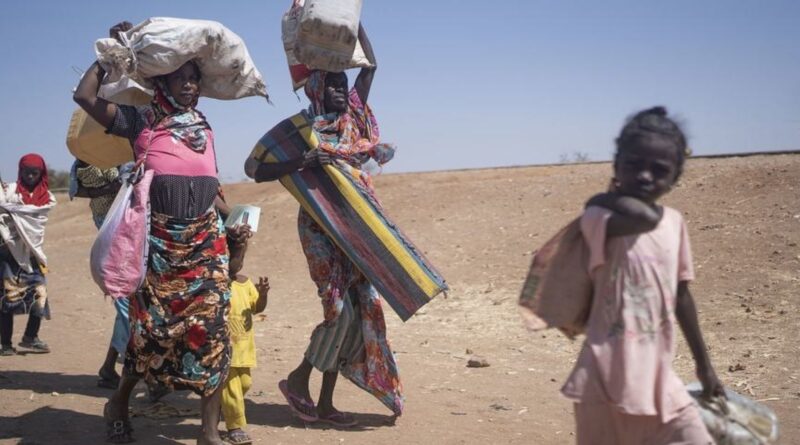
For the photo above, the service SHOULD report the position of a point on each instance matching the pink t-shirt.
(626, 359)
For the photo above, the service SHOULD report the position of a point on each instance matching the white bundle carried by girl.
(161, 45)
(736, 420)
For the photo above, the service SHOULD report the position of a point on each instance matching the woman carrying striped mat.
(353, 250)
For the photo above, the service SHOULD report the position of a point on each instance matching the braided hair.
(654, 122)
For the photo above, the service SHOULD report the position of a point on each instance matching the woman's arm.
(276, 170)
(364, 80)
(272, 171)
(631, 215)
(85, 95)
(222, 207)
(686, 313)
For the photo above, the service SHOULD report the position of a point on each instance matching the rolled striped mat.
(353, 220)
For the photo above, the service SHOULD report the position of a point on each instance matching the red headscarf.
(38, 195)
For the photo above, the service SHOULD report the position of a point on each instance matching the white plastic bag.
(161, 45)
(310, 53)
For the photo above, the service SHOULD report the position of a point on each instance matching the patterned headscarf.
(315, 90)
(39, 195)
(350, 135)
(185, 123)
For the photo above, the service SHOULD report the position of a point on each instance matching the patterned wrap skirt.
(178, 318)
(352, 337)
(22, 292)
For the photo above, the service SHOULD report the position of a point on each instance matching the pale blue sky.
(460, 84)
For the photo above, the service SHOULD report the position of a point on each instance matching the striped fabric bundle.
(353, 220)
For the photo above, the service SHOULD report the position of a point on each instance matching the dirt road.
(480, 228)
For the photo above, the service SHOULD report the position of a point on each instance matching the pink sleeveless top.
(168, 156)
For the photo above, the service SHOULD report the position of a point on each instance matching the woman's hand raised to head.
(85, 94)
(364, 80)
(115, 30)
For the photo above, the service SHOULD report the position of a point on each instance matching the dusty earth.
(480, 228)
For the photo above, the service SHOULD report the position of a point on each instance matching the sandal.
(117, 431)
(34, 344)
(302, 408)
(7, 351)
(339, 420)
(238, 437)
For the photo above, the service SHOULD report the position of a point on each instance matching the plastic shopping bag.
(119, 254)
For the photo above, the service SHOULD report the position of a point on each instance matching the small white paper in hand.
(244, 214)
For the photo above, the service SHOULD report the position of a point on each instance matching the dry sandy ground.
(480, 228)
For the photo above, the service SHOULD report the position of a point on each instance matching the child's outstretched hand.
(263, 285)
(263, 290)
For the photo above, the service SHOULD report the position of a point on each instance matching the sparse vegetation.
(58, 179)
(577, 157)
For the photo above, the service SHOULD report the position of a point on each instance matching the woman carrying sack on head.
(352, 337)
(178, 316)
(24, 206)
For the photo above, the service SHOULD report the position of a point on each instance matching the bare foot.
(209, 440)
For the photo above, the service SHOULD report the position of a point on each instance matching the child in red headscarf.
(24, 206)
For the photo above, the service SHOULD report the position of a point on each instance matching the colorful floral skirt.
(178, 318)
(22, 292)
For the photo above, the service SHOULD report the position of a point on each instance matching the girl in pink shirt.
(640, 262)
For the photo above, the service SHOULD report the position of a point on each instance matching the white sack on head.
(328, 40)
(161, 45)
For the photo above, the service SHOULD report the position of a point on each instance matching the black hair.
(654, 122)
